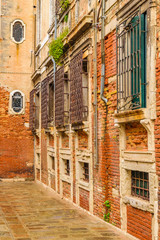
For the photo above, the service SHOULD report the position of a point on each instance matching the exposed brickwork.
(16, 141)
(66, 190)
(157, 122)
(51, 140)
(65, 140)
(106, 174)
(44, 165)
(58, 167)
(53, 182)
(38, 174)
(136, 137)
(37, 141)
(139, 223)
(84, 198)
(82, 140)
(74, 168)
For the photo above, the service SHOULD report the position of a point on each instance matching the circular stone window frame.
(24, 31)
(11, 111)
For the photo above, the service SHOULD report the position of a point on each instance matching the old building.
(16, 66)
(95, 114)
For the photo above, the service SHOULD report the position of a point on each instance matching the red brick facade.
(139, 223)
(84, 198)
(16, 141)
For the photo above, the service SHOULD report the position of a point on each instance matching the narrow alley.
(29, 211)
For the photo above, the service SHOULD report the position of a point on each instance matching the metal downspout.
(54, 63)
(103, 53)
(95, 89)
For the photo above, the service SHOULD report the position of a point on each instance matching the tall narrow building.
(16, 64)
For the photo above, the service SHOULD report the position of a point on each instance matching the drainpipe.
(54, 63)
(103, 53)
(95, 89)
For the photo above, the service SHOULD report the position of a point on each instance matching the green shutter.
(135, 60)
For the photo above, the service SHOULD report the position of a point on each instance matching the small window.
(51, 163)
(17, 102)
(67, 170)
(86, 172)
(18, 31)
(140, 184)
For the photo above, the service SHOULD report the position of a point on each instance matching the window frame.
(131, 61)
(24, 31)
(11, 110)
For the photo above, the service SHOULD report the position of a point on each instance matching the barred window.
(86, 172)
(131, 62)
(18, 31)
(140, 184)
(67, 169)
(17, 102)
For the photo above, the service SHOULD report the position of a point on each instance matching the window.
(66, 99)
(86, 172)
(67, 170)
(131, 62)
(17, 102)
(140, 184)
(51, 163)
(37, 99)
(18, 31)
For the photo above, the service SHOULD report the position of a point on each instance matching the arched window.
(18, 31)
(17, 102)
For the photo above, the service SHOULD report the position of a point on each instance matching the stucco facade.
(16, 66)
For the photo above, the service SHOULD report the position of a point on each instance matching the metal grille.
(79, 110)
(86, 172)
(140, 184)
(67, 167)
(44, 102)
(18, 31)
(32, 110)
(131, 44)
(17, 102)
(60, 111)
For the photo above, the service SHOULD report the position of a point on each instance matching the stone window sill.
(139, 203)
(131, 115)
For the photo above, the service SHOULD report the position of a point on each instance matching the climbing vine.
(56, 46)
(107, 215)
(64, 4)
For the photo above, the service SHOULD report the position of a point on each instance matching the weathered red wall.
(135, 218)
(16, 142)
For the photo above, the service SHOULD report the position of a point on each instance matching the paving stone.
(29, 212)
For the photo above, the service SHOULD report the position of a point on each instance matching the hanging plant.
(64, 4)
(66, 18)
(56, 46)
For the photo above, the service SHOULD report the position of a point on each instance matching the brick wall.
(16, 141)
(106, 173)
(84, 198)
(65, 141)
(136, 137)
(44, 165)
(53, 182)
(82, 140)
(66, 190)
(51, 140)
(157, 122)
(74, 168)
(38, 174)
(139, 223)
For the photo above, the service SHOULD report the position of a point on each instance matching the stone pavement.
(28, 211)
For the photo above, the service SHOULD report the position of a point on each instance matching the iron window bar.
(140, 184)
(67, 169)
(86, 172)
(129, 39)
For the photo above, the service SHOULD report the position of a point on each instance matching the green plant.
(64, 4)
(66, 18)
(56, 46)
(107, 215)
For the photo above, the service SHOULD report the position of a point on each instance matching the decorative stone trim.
(11, 111)
(24, 31)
